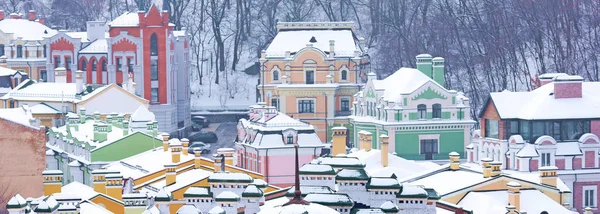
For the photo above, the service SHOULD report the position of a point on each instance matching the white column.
(392, 140)
(330, 105)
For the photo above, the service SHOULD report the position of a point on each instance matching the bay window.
(491, 128)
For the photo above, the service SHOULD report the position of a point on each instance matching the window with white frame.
(306, 106)
(422, 111)
(546, 159)
(344, 75)
(589, 196)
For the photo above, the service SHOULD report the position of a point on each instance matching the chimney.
(371, 76)
(487, 167)
(269, 112)
(361, 140)
(99, 181)
(151, 128)
(567, 87)
(126, 128)
(95, 30)
(32, 15)
(454, 160)
(53, 180)
(176, 146)
(438, 70)
(384, 149)
(496, 168)
(42, 21)
(15, 16)
(548, 175)
(548, 77)
(197, 159)
(219, 160)
(114, 186)
(101, 131)
(170, 173)
(97, 116)
(331, 48)
(338, 146)
(165, 138)
(60, 75)
(228, 153)
(514, 194)
(588, 210)
(424, 64)
(1, 14)
(79, 81)
(185, 143)
(368, 141)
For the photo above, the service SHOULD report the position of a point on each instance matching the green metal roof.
(352, 174)
(383, 183)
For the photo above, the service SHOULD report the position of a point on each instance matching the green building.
(91, 141)
(424, 120)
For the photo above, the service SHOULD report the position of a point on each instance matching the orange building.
(312, 70)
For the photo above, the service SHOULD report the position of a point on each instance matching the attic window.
(290, 139)
(313, 40)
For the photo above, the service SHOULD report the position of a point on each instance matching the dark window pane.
(422, 111)
(153, 45)
(525, 132)
(538, 128)
(437, 111)
(491, 128)
(154, 69)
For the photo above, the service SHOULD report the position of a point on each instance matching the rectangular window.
(556, 130)
(68, 63)
(275, 103)
(514, 128)
(546, 159)
(44, 75)
(345, 104)
(422, 110)
(129, 65)
(525, 131)
(491, 128)
(154, 69)
(154, 92)
(290, 139)
(306, 106)
(310, 77)
(538, 129)
(119, 66)
(589, 196)
(56, 61)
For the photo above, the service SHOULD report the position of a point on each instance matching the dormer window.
(290, 139)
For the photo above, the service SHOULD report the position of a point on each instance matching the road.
(226, 132)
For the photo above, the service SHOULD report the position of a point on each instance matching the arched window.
(1, 50)
(83, 65)
(344, 75)
(153, 45)
(437, 110)
(422, 110)
(19, 51)
(103, 65)
(94, 65)
(275, 75)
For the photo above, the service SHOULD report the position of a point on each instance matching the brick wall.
(491, 113)
(560, 163)
(590, 160)
(578, 195)
(577, 163)
(595, 127)
(22, 158)
(507, 163)
(567, 90)
(533, 165)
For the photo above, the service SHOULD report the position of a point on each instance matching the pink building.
(554, 126)
(266, 144)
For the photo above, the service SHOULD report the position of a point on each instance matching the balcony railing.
(343, 113)
(307, 82)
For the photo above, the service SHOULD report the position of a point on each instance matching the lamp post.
(326, 122)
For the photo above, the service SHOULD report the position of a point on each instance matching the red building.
(143, 45)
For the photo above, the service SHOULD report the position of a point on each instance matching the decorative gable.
(429, 94)
(371, 93)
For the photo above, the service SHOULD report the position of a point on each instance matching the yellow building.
(312, 70)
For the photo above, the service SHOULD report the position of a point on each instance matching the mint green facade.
(407, 143)
(126, 147)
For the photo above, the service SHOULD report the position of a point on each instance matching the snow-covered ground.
(210, 96)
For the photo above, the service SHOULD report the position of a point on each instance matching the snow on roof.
(296, 40)
(568, 148)
(534, 177)
(227, 195)
(388, 205)
(403, 81)
(382, 183)
(80, 35)
(28, 30)
(142, 113)
(352, 174)
(339, 161)
(66, 207)
(43, 108)
(532, 201)
(4, 71)
(145, 163)
(252, 191)
(80, 190)
(98, 46)
(276, 140)
(539, 104)
(396, 165)
(47, 91)
(151, 210)
(127, 19)
(18, 115)
(17, 200)
(412, 191)
(230, 177)
(184, 179)
(319, 169)
(528, 150)
(188, 209)
(330, 199)
(85, 133)
(307, 189)
(216, 210)
(551, 75)
(178, 33)
(299, 209)
(448, 181)
(260, 183)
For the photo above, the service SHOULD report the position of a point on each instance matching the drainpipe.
(30, 71)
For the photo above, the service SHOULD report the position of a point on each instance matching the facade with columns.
(311, 70)
(423, 119)
(22, 43)
(554, 125)
(142, 45)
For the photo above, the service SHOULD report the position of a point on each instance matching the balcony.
(343, 113)
(307, 82)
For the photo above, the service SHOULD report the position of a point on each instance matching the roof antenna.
(297, 193)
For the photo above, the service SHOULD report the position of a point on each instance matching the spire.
(140, 4)
(165, 6)
(297, 193)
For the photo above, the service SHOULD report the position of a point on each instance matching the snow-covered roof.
(532, 201)
(252, 191)
(412, 191)
(568, 148)
(227, 196)
(216, 210)
(89, 207)
(383, 183)
(352, 174)
(16, 201)
(229, 177)
(339, 162)
(43, 108)
(396, 165)
(85, 133)
(316, 169)
(80, 35)
(184, 179)
(298, 209)
(127, 19)
(28, 30)
(21, 115)
(447, 181)
(80, 190)
(540, 104)
(50, 91)
(528, 150)
(403, 81)
(330, 199)
(142, 113)
(276, 140)
(308, 189)
(98, 46)
(145, 163)
(188, 209)
(4, 71)
(294, 41)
